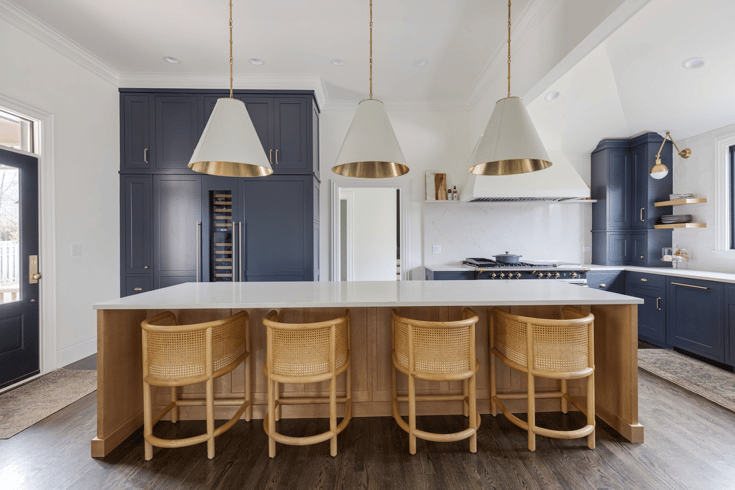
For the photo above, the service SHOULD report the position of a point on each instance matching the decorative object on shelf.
(674, 255)
(440, 187)
(370, 149)
(229, 145)
(669, 219)
(659, 171)
(510, 144)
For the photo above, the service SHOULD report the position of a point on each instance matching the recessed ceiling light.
(421, 62)
(171, 59)
(256, 61)
(694, 63)
(338, 62)
(552, 95)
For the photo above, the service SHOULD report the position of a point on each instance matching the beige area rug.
(22, 407)
(714, 384)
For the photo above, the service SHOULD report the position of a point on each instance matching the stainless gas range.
(493, 270)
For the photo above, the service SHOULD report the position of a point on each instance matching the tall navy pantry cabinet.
(181, 226)
(624, 215)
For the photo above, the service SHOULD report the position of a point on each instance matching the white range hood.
(560, 182)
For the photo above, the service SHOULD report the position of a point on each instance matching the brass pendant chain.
(231, 49)
(508, 48)
(371, 49)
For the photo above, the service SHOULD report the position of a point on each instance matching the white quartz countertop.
(364, 294)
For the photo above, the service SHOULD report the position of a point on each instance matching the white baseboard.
(76, 351)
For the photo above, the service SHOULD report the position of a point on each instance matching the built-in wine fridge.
(222, 237)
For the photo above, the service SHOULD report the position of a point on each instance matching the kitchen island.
(119, 363)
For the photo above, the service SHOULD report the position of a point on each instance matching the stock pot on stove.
(507, 258)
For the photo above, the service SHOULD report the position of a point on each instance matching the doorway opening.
(369, 231)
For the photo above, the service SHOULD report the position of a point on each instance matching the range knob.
(494, 275)
(502, 275)
(574, 274)
(548, 274)
(556, 275)
(518, 275)
(540, 275)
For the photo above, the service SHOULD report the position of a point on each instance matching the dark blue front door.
(19, 350)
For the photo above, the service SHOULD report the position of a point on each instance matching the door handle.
(689, 286)
(239, 252)
(642, 213)
(145, 155)
(658, 304)
(276, 156)
(643, 279)
(199, 246)
(603, 285)
(33, 275)
(270, 156)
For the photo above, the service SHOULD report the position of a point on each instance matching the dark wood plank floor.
(690, 444)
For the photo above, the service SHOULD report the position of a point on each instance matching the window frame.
(724, 198)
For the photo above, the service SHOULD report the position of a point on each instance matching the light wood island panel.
(119, 404)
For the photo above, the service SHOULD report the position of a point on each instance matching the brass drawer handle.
(658, 304)
(138, 289)
(603, 285)
(145, 155)
(689, 286)
(643, 279)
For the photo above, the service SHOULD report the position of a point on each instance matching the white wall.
(372, 226)
(429, 140)
(86, 195)
(697, 175)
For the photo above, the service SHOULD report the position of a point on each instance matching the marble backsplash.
(537, 231)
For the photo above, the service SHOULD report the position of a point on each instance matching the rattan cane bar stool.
(435, 351)
(307, 353)
(177, 355)
(559, 349)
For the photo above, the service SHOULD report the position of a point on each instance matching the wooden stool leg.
(210, 418)
(147, 419)
(473, 412)
(175, 411)
(466, 401)
(531, 413)
(591, 409)
(271, 419)
(279, 407)
(564, 407)
(333, 415)
(248, 396)
(411, 415)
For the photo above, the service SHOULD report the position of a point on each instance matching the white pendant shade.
(510, 144)
(370, 148)
(229, 145)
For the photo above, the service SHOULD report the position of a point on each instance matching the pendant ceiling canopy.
(510, 144)
(370, 149)
(229, 145)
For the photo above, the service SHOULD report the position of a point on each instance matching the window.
(731, 165)
(17, 132)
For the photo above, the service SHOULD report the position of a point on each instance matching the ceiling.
(458, 39)
(634, 82)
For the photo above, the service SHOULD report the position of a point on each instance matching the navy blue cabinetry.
(278, 232)
(178, 125)
(607, 280)
(730, 333)
(696, 316)
(651, 288)
(449, 275)
(177, 229)
(136, 233)
(135, 131)
(624, 215)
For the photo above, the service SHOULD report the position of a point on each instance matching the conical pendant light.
(229, 145)
(370, 149)
(510, 144)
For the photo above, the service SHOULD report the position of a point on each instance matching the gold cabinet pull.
(276, 156)
(603, 285)
(642, 214)
(643, 279)
(138, 289)
(270, 156)
(658, 304)
(145, 155)
(689, 286)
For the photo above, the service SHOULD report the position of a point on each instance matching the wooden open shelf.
(694, 200)
(680, 225)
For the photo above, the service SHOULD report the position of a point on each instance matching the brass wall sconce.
(659, 171)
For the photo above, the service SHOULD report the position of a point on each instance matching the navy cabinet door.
(290, 126)
(730, 351)
(605, 280)
(619, 192)
(619, 248)
(261, 113)
(176, 229)
(639, 249)
(278, 228)
(137, 229)
(696, 316)
(136, 132)
(651, 314)
(640, 188)
(214, 237)
(178, 127)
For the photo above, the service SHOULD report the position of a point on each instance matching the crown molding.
(56, 41)
(528, 21)
(222, 80)
(402, 105)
